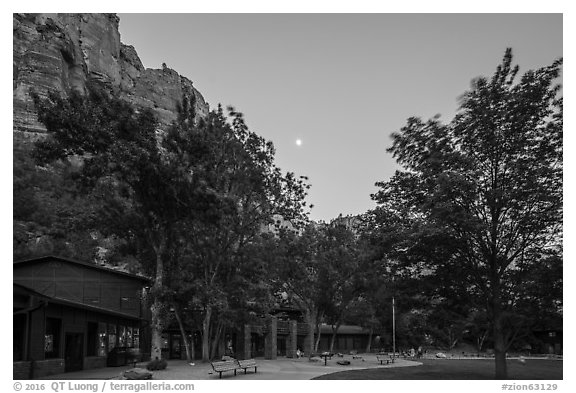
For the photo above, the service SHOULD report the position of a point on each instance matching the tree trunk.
(156, 330)
(334, 334)
(183, 334)
(498, 332)
(317, 328)
(480, 341)
(216, 340)
(317, 341)
(206, 335)
(157, 323)
(310, 317)
(192, 348)
(369, 346)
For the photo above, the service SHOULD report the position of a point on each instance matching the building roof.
(82, 263)
(344, 329)
(22, 289)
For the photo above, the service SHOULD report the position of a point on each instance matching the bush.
(156, 365)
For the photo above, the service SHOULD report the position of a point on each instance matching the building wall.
(73, 320)
(37, 329)
(82, 284)
(91, 289)
(94, 362)
(344, 343)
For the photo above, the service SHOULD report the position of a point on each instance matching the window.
(136, 334)
(92, 339)
(129, 342)
(122, 336)
(111, 337)
(52, 338)
(102, 336)
(164, 341)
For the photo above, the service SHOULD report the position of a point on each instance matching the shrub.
(156, 364)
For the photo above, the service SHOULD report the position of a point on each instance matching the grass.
(458, 369)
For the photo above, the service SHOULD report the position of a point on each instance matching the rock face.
(63, 51)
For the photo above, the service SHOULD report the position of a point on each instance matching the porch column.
(270, 341)
(244, 343)
(292, 340)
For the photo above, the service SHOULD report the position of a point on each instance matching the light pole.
(393, 329)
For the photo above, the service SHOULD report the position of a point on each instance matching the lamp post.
(393, 329)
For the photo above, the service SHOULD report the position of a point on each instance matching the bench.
(355, 355)
(246, 364)
(133, 355)
(383, 358)
(225, 365)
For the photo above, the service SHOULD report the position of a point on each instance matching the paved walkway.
(280, 369)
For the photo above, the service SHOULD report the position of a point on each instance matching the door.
(281, 345)
(176, 347)
(73, 351)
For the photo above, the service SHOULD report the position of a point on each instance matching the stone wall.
(44, 368)
(61, 52)
(21, 370)
(94, 362)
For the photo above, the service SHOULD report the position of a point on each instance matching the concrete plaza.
(279, 369)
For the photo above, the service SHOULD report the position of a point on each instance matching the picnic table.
(326, 355)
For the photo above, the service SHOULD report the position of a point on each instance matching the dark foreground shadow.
(448, 369)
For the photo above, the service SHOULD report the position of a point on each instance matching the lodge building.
(69, 315)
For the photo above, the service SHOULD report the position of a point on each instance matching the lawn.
(458, 369)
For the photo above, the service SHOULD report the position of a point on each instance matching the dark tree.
(149, 189)
(490, 184)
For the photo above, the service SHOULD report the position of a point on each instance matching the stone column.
(292, 340)
(244, 343)
(271, 339)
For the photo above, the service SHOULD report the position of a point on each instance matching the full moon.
(298, 142)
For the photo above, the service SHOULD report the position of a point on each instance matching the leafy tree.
(296, 269)
(199, 189)
(340, 254)
(242, 174)
(491, 182)
(142, 178)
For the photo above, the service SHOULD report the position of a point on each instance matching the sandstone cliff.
(62, 51)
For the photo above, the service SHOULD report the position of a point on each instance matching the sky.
(339, 83)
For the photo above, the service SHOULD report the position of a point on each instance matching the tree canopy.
(489, 183)
(198, 189)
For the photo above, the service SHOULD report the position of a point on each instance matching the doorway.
(73, 352)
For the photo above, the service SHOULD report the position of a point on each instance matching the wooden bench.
(246, 364)
(225, 365)
(383, 358)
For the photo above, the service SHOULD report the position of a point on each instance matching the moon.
(298, 142)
